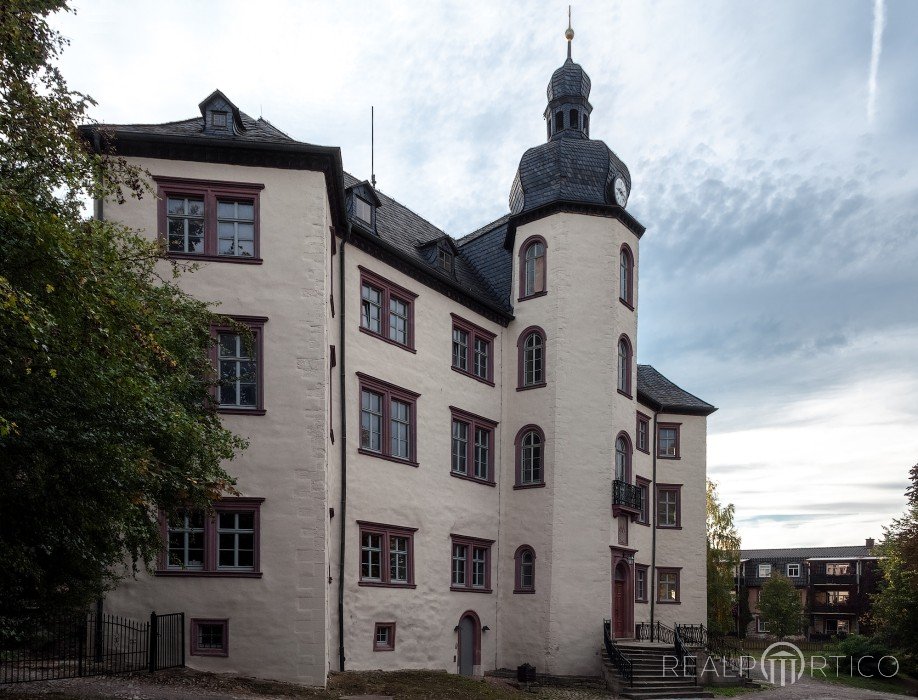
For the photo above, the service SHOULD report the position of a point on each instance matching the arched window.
(559, 121)
(573, 119)
(622, 458)
(586, 123)
(531, 347)
(525, 569)
(532, 267)
(530, 457)
(624, 366)
(626, 276)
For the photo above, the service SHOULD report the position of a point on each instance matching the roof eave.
(652, 403)
(573, 207)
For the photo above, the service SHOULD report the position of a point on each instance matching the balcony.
(626, 498)
(846, 608)
(833, 579)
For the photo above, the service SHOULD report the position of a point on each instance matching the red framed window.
(473, 350)
(668, 440)
(641, 583)
(524, 567)
(388, 420)
(532, 266)
(529, 448)
(668, 584)
(471, 564)
(623, 458)
(209, 220)
(642, 433)
(384, 636)
(386, 555)
(625, 354)
(531, 359)
(238, 357)
(209, 637)
(669, 506)
(224, 543)
(626, 276)
(643, 486)
(472, 446)
(386, 310)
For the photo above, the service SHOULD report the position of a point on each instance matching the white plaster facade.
(284, 622)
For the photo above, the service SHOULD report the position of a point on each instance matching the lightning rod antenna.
(372, 148)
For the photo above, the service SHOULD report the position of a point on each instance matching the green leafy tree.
(723, 557)
(780, 607)
(105, 388)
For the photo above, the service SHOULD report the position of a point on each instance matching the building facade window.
(640, 583)
(668, 585)
(222, 543)
(524, 567)
(623, 458)
(363, 210)
(209, 637)
(445, 261)
(793, 570)
(669, 507)
(531, 359)
(624, 366)
(386, 310)
(471, 564)
(386, 555)
(626, 277)
(668, 440)
(764, 570)
(237, 357)
(384, 636)
(473, 350)
(388, 420)
(533, 255)
(530, 457)
(207, 220)
(761, 626)
(836, 569)
(643, 486)
(642, 433)
(472, 446)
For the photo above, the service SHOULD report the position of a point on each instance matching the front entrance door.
(466, 645)
(619, 609)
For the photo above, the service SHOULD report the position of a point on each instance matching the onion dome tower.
(570, 167)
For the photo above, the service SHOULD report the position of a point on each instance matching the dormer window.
(445, 261)
(218, 120)
(363, 210)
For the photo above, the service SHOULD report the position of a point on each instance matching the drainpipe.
(342, 306)
(652, 507)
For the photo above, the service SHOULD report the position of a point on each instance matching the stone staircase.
(651, 678)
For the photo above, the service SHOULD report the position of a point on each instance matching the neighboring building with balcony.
(834, 584)
(456, 461)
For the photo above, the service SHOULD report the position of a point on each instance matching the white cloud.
(879, 23)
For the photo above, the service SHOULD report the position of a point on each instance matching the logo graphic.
(783, 664)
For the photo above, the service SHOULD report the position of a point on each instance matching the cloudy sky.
(773, 149)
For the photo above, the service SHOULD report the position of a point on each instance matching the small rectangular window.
(209, 637)
(472, 350)
(237, 358)
(668, 440)
(445, 261)
(363, 210)
(471, 452)
(667, 585)
(761, 626)
(236, 227)
(668, 505)
(643, 486)
(218, 120)
(643, 433)
(764, 570)
(386, 555)
(471, 564)
(640, 583)
(460, 349)
(384, 636)
(793, 570)
(388, 420)
(386, 310)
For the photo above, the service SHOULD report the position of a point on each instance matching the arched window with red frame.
(524, 566)
(625, 354)
(533, 256)
(626, 276)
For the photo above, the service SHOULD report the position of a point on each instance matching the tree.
(723, 558)
(106, 413)
(780, 607)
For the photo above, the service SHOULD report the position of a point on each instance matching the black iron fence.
(41, 648)
(625, 494)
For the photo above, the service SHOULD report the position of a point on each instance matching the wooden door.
(618, 609)
(466, 645)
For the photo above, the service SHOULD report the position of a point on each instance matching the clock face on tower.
(621, 192)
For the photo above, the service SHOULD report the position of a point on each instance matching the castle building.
(455, 460)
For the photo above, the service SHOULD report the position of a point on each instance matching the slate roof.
(844, 552)
(657, 391)
(570, 80)
(405, 230)
(485, 249)
(256, 130)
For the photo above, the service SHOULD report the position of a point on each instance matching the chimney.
(870, 543)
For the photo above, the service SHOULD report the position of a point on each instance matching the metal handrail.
(622, 663)
(653, 632)
(682, 655)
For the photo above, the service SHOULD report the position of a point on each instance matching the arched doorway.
(621, 610)
(469, 643)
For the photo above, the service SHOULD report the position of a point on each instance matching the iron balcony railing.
(625, 494)
(621, 662)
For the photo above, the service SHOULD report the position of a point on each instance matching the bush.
(865, 654)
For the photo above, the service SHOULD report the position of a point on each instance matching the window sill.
(645, 523)
(670, 527)
(472, 375)
(641, 600)
(532, 296)
(238, 259)
(517, 487)
(625, 394)
(532, 386)
(210, 652)
(388, 458)
(387, 340)
(523, 591)
(383, 648)
(626, 303)
(383, 584)
(669, 602)
(207, 574)
(241, 411)
(464, 589)
(465, 477)
(641, 449)
(668, 457)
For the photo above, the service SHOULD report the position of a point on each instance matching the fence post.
(183, 639)
(81, 645)
(154, 640)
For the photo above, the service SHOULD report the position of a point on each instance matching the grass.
(731, 691)
(899, 684)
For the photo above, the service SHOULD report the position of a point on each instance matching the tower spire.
(569, 34)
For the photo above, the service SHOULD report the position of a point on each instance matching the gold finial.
(569, 34)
